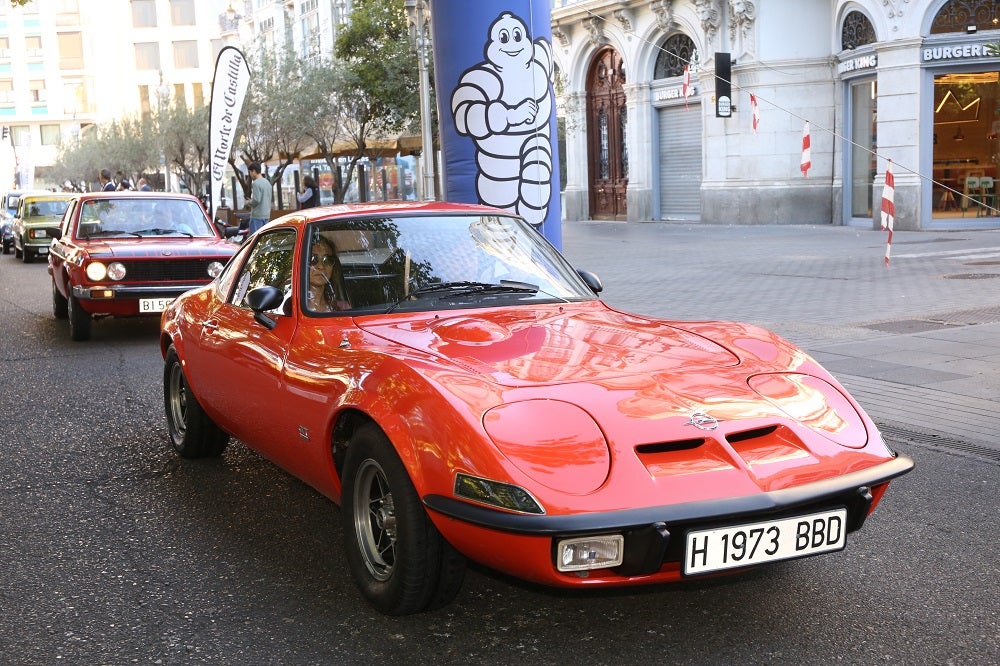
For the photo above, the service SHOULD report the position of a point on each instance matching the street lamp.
(419, 20)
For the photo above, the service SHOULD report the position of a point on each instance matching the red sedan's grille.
(168, 270)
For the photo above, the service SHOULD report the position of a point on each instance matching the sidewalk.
(918, 343)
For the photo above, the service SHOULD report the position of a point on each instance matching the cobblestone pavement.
(917, 343)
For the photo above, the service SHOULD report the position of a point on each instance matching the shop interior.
(966, 144)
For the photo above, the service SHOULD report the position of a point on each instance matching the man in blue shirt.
(260, 198)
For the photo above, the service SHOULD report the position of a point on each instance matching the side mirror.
(263, 299)
(56, 233)
(592, 281)
(225, 230)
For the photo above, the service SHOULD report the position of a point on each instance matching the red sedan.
(442, 373)
(130, 253)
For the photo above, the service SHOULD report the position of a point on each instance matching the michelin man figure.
(504, 105)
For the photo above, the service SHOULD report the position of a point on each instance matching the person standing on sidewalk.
(260, 198)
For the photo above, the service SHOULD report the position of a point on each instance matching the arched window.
(676, 52)
(958, 15)
(857, 31)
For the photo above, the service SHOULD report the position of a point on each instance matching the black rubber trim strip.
(777, 500)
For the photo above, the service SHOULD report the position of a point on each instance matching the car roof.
(398, 208)
(136, 194)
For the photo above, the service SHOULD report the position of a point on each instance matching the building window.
(182, 12)
(143, 13)
(197, 95)
(70, 50)
(50, 134)
(147, 56)
(958, 15)
(180, 97)
(144, 104)
(74, 96)
(36, 92)
(20, 135)
(67, 12)
(857, 31)
(6, 92)
(33, 46)
(4, 48)
(310, 35)
(676, 53)
(186, 54)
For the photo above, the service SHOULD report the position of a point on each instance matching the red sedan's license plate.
(770, 541)
(154, 304)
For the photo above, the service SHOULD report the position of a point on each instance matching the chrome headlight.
(595, 552)
(96, 271)
(214, 269)
(116, 270)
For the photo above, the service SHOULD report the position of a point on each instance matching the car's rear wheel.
(17, 252)
(192, 432)
(79, 320)
(6, 248)
(60, 306)
(398, 559)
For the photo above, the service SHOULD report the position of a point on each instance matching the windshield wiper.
(163, 232)
(465, 288)
(113, 232)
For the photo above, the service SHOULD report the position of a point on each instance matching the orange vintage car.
(127, 254)
(446, 377)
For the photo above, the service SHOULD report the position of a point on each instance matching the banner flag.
(888, 208)
(229, 89)
(493, 71)
(686, 87)
(806, 157)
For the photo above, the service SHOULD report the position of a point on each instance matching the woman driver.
(326, 281)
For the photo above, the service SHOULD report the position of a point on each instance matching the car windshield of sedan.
(142, 218)
(431, 262)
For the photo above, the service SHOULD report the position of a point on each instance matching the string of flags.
(754, 112)
(806, 162)
(686, 87)
(888, 208)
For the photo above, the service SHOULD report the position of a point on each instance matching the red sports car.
(130, 253)
(442, 373)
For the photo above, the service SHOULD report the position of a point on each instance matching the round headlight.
(116, 270)
(214, 269)
(96, 271)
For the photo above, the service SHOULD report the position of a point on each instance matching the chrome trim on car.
(132, 292)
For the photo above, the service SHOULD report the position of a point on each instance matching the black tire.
(6, 248)
(398, 559)
(60, 306)
(27, 255)
(17, 252)
(192, 433)
(79, 320)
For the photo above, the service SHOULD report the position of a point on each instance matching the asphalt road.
(114, 551)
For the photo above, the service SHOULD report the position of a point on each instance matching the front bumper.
(651, 554)
(125, 300)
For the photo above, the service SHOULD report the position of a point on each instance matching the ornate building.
(651, 134)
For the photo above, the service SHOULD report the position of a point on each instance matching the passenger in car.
(327, 291)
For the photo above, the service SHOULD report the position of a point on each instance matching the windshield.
(45, 207)
(143, 217)
(432, 262)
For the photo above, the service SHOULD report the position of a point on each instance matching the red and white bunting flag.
(754, 112)
(888, 207)
(686, 87)
(806, 159)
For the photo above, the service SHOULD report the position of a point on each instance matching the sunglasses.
(325, 259)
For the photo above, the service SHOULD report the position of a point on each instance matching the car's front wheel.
(398, 559)
(60, 306)
(192, 432)
(79, 320)
(17, 252)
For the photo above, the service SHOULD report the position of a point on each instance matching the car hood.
(176, 246)
(557, 344)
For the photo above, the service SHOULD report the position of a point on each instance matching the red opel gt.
(130, 253)
(442, 373)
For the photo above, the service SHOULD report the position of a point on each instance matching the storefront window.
(966, 147)
(863, 164)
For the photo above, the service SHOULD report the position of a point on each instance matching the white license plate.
(769, 541)
(154, 304)
(42, 250)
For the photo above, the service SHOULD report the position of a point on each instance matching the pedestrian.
(106, 184)
(123, 182)
(144, 186)
(309, 196)
(260, 198)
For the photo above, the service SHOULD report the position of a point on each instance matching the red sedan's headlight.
(815, 403)
(555, 443)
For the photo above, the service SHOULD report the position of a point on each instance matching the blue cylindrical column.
(496, 107)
